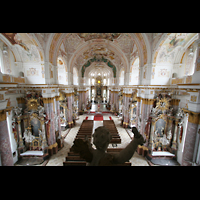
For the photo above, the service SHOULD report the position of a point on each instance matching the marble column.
(116, 94)
(190, 137)
(58, 116)
(138, 125)
(51, 136)
(5, 146)
(111, 99)
(70, 110)
(147, 105)
(126, 98)
(143, 115)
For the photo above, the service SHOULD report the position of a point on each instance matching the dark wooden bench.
(74, 163)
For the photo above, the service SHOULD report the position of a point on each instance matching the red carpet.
(98, 117)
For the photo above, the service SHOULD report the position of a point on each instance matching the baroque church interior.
(57, 88)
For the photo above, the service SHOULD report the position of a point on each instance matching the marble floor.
(59, 158)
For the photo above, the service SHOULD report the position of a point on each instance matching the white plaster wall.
(134, 77)
(162, 80)
(33, 79)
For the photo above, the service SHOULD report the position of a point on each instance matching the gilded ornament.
(163, 104)
(32, 104)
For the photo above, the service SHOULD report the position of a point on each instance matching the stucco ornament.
(99, 156)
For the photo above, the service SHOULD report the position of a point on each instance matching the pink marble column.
(58, 115)
(143, 117)
(126, 114)
(189, 144)
(70, 111)
(116, 101)
(138, 110)
(5, 146)
(48, 107)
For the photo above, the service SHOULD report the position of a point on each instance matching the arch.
(99, 59)
(188, 61)
(96, 69)
(61, 70)
(12, 47)
(55, 40)
(144, 48)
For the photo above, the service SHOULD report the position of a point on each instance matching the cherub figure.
(99, 156)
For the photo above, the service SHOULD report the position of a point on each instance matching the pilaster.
(47, 72)
(192, 128)
(5, 146)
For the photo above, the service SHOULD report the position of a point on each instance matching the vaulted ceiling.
(119, 48)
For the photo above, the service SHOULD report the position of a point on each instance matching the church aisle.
(59, 158)
(136, 160)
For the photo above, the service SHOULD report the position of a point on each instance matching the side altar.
(30, 126)
(162, 129)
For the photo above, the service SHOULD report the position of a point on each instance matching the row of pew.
(110, 125)
(74, 159)
(85, 132)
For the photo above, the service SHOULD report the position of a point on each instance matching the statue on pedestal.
(99, 156)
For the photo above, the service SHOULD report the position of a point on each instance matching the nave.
(59, 158)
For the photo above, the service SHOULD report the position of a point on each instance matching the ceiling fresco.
(113, 46)
(107, 36)
(171, 45)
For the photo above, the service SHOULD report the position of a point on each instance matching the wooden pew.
(109, 150)
(85, 131)
(74, 163)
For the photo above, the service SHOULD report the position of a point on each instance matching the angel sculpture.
(18, 111)
(28, 136)
(99, 156)
(41, 111)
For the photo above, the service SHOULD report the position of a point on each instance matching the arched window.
(62, 69)
(121, 77)
(134, 72)
(189, 60)
(75, 76)
(1, 61)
